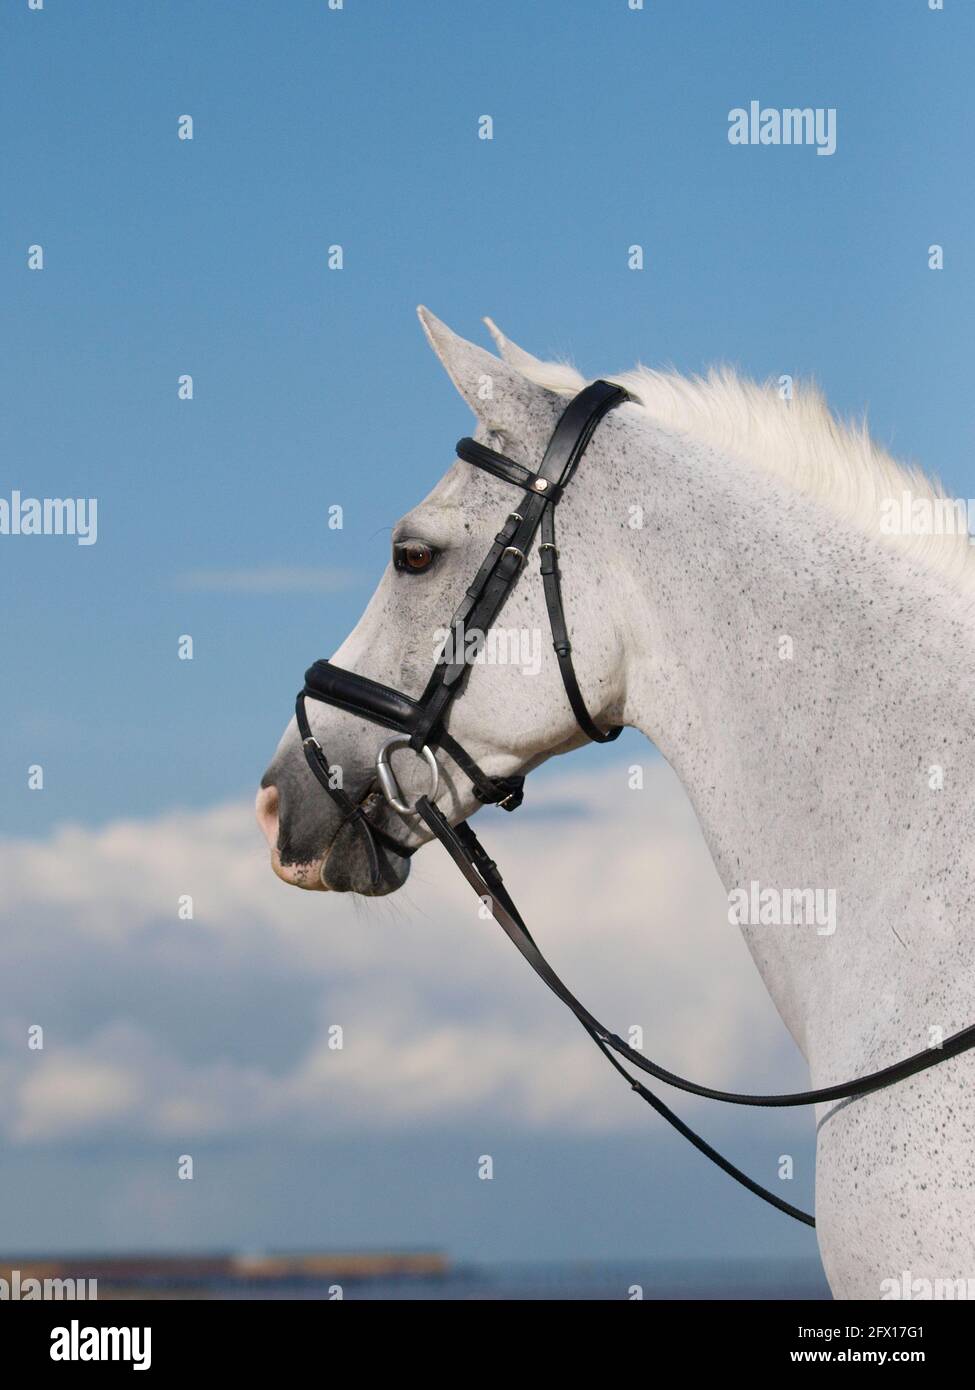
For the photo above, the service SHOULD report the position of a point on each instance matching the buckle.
(548, 558)
(510, 793)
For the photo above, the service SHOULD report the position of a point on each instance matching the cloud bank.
(160, 1028)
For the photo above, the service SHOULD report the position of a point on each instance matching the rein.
(419, 724)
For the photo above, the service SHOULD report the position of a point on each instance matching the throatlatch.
(420, 725)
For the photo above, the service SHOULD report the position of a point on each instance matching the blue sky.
(359, 127)
(314, 387)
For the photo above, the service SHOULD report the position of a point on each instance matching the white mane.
(799, 440)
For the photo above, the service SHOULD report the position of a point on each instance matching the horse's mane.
(798, 440)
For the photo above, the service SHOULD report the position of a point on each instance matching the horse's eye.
(414, 556)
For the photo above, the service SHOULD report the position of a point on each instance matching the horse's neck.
(812, 688)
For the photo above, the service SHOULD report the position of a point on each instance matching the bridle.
(420, 725)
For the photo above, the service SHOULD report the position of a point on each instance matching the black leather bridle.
(419, 724)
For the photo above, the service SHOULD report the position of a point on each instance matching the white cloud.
(162, 1028)
(71, 1093)
(282, 579)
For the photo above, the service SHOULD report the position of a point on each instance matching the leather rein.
(419, 724)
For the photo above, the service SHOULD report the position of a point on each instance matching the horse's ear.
(556, 376)
(515, 356)
(482, 379)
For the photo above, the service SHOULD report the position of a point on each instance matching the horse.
(750, 582)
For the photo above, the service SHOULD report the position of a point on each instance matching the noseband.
(419, 724)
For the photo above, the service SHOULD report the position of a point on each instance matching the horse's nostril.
(266, 807)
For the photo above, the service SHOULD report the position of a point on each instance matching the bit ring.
(387, 778)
